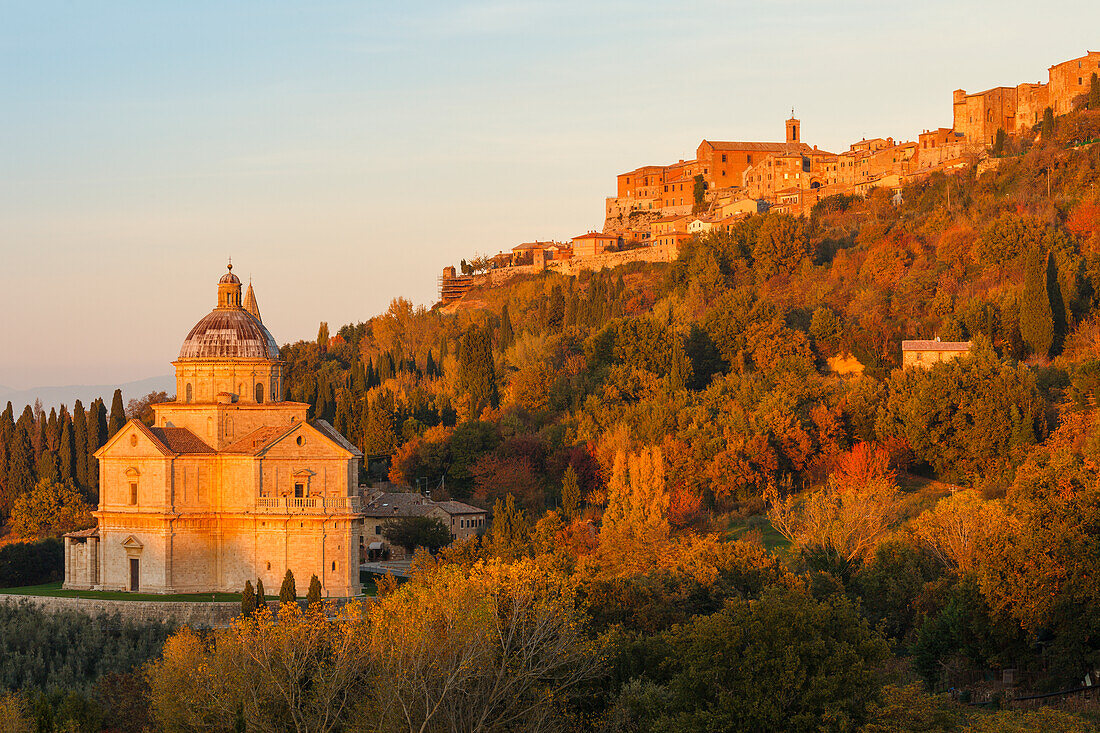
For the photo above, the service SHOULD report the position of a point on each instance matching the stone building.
(1017, 109)
(922, 354)
(381, 506)
(231, 483)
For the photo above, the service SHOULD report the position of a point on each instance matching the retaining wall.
(195, 614)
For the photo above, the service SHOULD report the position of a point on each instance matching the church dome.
(229, 333)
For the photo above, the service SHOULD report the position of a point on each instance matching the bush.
(31, 563)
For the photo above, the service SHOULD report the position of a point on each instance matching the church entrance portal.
(133, 574)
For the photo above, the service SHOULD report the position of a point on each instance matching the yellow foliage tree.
(50, 509)
(847, 518)
(958, 527)
(303, 672)
(635, 524)
(494, 647)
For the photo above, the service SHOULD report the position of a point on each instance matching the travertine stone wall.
(195, 614)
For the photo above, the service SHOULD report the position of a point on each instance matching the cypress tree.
(477, 375)
(431, 371)
(288, 593)
(570, 493)
(313, 597)
(118, 415)
(1046, 128)
(322, 337)
(97, 436)
(42, 442)
(1094, 92)
(21, 475)
(679, 373)
(248, 599)
(1036, 315)
(53, 430)
(65, 452)
(80, 444)
(261, 599)
(8, 416)
(47, 467)
(507, 335)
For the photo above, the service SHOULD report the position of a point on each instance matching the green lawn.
(771, 538)
(55, 590)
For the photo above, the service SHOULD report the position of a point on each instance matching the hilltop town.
(656, 208)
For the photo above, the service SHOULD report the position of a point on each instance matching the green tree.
(80, 445)
(322, 337)
(1047, 126)
(378, 431)
(413, 532)
(21, 474)
(288, 593)
(476, 372)
(699, 194)
(118, 415)
(313, 596)
(1094, 92)
(261, 598)
(248, 599)
(679, 373)
(570, 493)
(999, 142)
(66, 451)
(507, 335)
(1036, 312)
(782, 662)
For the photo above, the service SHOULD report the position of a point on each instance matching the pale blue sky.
(343, 153)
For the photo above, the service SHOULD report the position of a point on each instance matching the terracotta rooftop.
(759, 147)
(935, 345)
(257, 440)
(181, 440)
(596, 235)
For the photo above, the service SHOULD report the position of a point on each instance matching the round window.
(301, 440)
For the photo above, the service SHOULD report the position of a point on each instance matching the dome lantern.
(229, 290)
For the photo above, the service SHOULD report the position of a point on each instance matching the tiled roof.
(334, 435)
(759, 147)
(84, 533)
(931, 345)
(181, 440)
(596, 235)
(457, 507)
(257, 440)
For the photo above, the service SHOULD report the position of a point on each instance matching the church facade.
(231, 483)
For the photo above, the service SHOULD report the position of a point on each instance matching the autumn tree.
(958, 527)
(510, 530)
(304, 672)
(781, 245)
(841, 523)
(570, 493)
(495, 647)
(635, 525)
(50, 509)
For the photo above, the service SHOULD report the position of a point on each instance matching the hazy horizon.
(343, 154)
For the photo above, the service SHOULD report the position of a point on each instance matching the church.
(231, 483)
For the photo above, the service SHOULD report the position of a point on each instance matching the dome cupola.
(230, 352)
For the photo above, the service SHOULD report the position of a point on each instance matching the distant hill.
(67, 395)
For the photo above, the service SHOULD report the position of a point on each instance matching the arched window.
(259, 392)
(189, 392)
